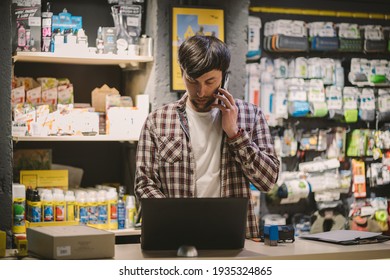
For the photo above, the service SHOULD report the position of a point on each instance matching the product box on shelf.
(45, 178)
(26, 25)
(98, 97)
(71, 242)
(27, 159)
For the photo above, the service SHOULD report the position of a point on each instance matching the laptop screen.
(206, 223)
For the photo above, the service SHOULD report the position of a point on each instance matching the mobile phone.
(225, 81)
(224, 85)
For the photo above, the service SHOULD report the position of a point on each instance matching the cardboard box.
(98, 97)
(71, 242)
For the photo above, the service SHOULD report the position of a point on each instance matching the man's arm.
(256, 155)
(147, 182)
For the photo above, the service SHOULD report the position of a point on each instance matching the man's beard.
(203, 106)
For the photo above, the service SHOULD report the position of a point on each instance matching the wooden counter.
(298, 250)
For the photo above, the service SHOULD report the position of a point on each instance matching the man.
(207, 144)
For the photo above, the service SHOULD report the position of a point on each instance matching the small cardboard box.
(71, 242)
(99, 97)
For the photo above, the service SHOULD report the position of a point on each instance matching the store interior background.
(114, 161)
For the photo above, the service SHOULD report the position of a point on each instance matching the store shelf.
(74, 138)
(126, 232)
(370, 84)
(86, 59)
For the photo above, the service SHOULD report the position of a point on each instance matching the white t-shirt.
(206, 140)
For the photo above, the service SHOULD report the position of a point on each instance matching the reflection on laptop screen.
(206, 223)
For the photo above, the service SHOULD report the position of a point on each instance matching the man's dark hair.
(201, 54)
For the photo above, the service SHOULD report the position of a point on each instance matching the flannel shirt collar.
(181, 103)
(181, 111)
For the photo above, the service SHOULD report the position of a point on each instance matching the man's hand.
(229, 112)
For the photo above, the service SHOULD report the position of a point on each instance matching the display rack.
(74, 138)
(84, 58)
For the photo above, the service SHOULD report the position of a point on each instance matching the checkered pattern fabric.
(165, 162)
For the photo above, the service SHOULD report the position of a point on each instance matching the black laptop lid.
(206, 223)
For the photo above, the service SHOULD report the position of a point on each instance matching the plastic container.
(35, 207)
(102, 207)
(18, 208)
(70, 201)
(47, 207)
(112, 198)
(131, 212)
(59, 206)
(121, 209)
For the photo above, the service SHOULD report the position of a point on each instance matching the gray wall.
(5, 119)
(158, 27)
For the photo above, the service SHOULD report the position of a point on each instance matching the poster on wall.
(187, 22)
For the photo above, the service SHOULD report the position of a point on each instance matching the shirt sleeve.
(254, 151)
(147, 181)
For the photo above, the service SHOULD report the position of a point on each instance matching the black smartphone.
(224, 85)
(225, 81)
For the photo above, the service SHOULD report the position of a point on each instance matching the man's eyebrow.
(211, 78)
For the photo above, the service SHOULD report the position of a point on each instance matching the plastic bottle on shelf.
(29, 194)
(59, 206)
(82, 208)
(102, 207)
(70, 201)
(112, 198)
(18, 208)
(121, 209)
(21, 36)
(100, 41)
(131, 211)
(36, 207)
(92, 207)
(47, 206)
(46, 28)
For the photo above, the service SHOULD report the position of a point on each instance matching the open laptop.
(206, 223)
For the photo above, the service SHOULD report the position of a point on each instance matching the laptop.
(347, 237)
(206, 223)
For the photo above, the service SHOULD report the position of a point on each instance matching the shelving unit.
(108, 152)
(78, 59)
(84, 58)
(286, 11)
(73, 138)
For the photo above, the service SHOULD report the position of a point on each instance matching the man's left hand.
(229, 111)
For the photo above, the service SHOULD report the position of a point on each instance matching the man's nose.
(201, 91)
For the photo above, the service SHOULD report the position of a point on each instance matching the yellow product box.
(2, 243)
(44, 178)
(51, 224)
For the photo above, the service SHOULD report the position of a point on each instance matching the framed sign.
(187, 22)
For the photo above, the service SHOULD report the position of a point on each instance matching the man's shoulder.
(166, 109)
(164, 112)
(247, 106)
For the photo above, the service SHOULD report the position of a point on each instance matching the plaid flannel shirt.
(165, 161)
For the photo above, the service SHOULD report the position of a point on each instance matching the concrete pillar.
(5, 120)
